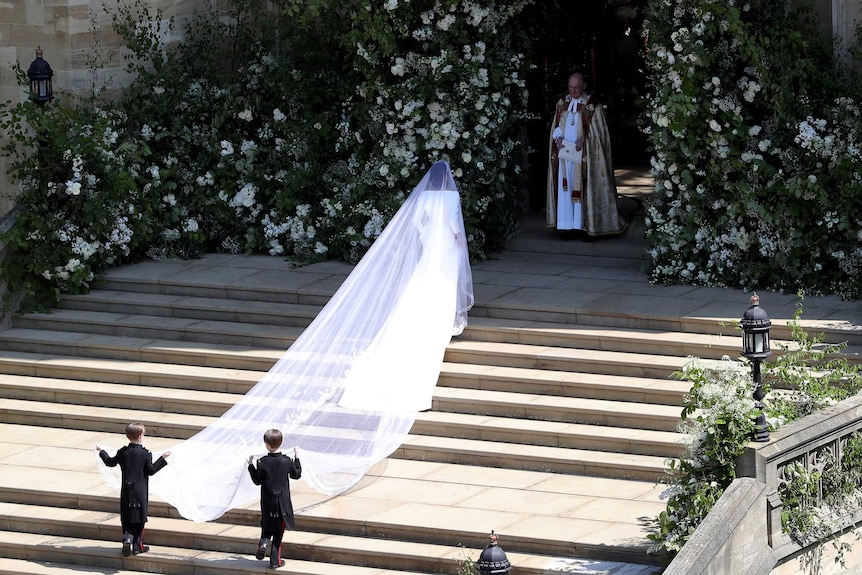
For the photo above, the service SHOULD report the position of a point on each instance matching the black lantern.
(493, 559)
(755, 326)
(40, 74)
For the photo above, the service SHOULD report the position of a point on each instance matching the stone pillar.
(845, 15)
(838, 18)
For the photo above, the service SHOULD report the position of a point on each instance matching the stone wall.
(65, 31)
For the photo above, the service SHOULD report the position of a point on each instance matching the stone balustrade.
(743, 532)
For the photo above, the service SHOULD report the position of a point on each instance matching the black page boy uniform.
(273, 473)
(136, 464)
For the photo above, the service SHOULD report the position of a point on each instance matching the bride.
(347, 391)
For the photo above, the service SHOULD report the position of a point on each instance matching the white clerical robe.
(569, 215)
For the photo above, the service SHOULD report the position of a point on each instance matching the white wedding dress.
(347, 391)
(420, 325)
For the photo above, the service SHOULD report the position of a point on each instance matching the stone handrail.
(807, 441)
(742, 533)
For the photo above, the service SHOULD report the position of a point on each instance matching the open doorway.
(603, 40)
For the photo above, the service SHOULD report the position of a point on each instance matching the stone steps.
(564, 383)
(225, 319)
(277, 324)
(553, 434)
(449, 513)
(172, 537)
(24, 567)
(125, 311)
(462, 439)
(249, 332)
(456, 404)
(76, 550)
(38, 531)
(239, 381)
(128, 338)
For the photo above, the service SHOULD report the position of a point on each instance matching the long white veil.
(347, 391)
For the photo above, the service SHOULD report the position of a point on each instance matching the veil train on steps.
(347, 391)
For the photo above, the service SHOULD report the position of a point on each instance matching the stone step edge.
(656, 435)
(448, 403)
(167, 560)
(605, 338)
(10, 566)
(230, 380)
(162, 536)
(568, 461)
(298, 545)
(582, 566)
(168, 305)
(175, 306)
(491, 309)
(281, 337)
(105, 503)
(431, 448)
(167, 328)
(137, 348)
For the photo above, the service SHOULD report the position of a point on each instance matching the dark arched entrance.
(602, 39)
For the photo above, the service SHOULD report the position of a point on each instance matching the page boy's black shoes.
(261, 550)
(127, 545)
(143, 549)
(274, 566)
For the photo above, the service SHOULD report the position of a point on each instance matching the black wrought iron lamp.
(493, 559)
(40, 74)
(755, 326)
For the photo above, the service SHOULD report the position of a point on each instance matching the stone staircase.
(519, 403)
(550, 426)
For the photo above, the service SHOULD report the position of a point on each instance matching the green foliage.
(718, 418)
(78, 204)
(436, 82)
(466, 566)
(821, 501)
(808, 375)
(798, 490)
(755, 135)
(293, 128)
(817, 501)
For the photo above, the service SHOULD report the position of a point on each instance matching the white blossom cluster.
(452, 97)
(719, 210)
(464, 111)
(685, 244)
(83, 245)
(723, 396)
(292, 233)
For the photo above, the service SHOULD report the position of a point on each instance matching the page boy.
(273, 473)
(136, 465)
